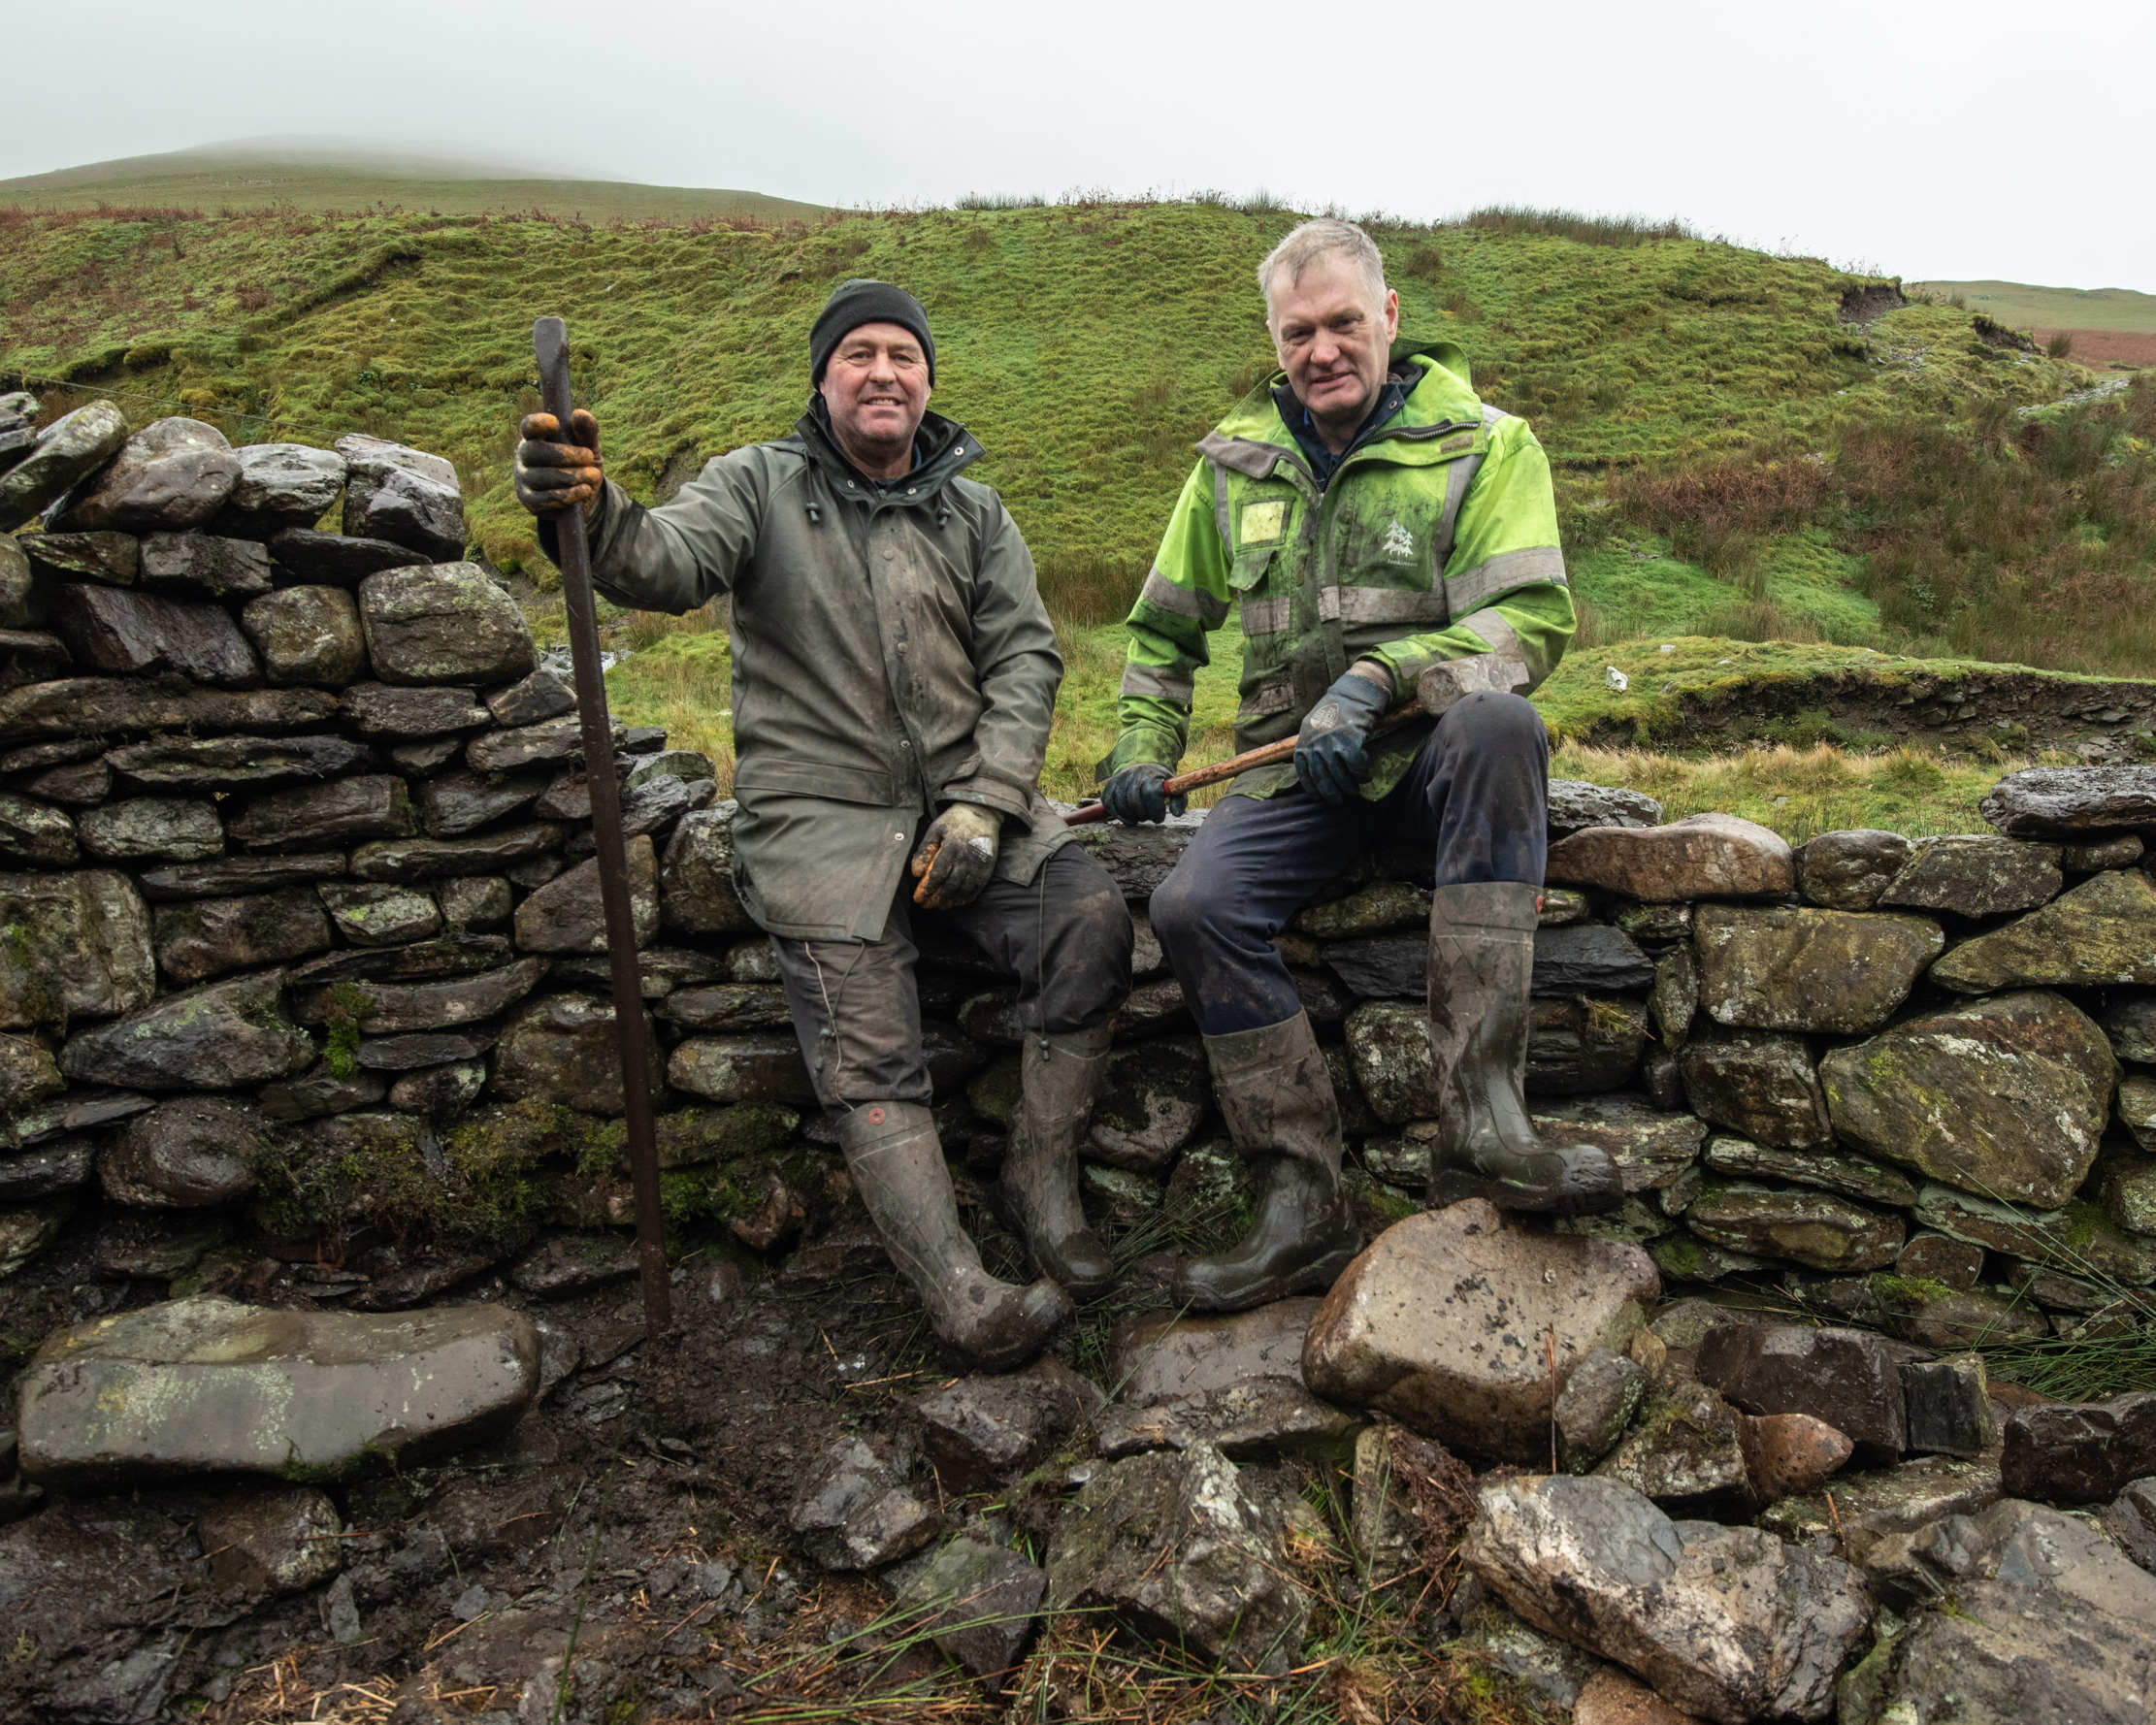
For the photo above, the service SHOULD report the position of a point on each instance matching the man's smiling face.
(877, 388)
(1333, 335)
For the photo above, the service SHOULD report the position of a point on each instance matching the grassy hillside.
(2021, 307)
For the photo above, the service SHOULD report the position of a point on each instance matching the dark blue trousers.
(1477, 792)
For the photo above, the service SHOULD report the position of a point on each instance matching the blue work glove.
(1134, 795)
(1332, 750)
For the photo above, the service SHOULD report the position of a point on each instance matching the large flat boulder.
(1446, 1322)
(2006, 1098)
(123, 633)
(2102, 933)
(78, 945)
(1974, 874)
(208, 1385)
(1704, 857)
(1779, 968)
(2071, 802)
(71, 707)
(219, 1036)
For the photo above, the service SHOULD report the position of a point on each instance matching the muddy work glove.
(1134, 795)
(956, 856)
(554, 471)
(1332, 750)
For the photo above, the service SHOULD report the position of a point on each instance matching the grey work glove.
(1133, 794)
(552, 471)
(956, 856)
(1332, 750)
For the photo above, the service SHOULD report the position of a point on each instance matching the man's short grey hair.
(1322, 237)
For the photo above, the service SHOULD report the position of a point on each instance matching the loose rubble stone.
(856, 1513)
(566, 916)
(66, 450)
(1561, 906)
(1727, 1622)
(1575, 804)
(382, 709)
(1443, 1323)
(380, 916)
(281, 485)
(1805, 1226)
(2077, 1236)
(221, 1037)
(1788, 1454)
(194, 1152)
(1233, 1382)
(406, 861)
(283, 1540)
(208, 1385)
(532, 745)
(1831, 1170)
(373, 805)
(306, 635)
(2006, 1096)
(1941, 1259)
(2102, 932)
(1596, 1405)
(238, 875)
(562, 1049)
(2068, 802)
(205, 937)
(127, 633)
(36, 833)
(72, 706)
(1173, 1547)
(1684, 1257)
(403, 495)
(1821, 970)
(2136, 1108)
(236, 763)
(1757, 1082)
(1976, 875)
(980, 1432)
(1948, 1406)
(448, 623)
(2131, 1519)
(1851, 1379)
(439, 1092)
(1683, 1447)
(201, 562)
(540, 696)
(77, 947)
(980, 1603)
(742, 1070)
(1848, 870)
(1674, 998)
(114, 557)
(173, 473)
(319, 1093)
(45, 1170)
(1879, 1503)
(26, 1232)
(696, 883)
(2079, 1453)
(1704, 857)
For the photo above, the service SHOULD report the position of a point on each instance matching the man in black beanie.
(893, 678)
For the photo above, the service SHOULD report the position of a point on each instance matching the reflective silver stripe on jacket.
(1472, 589)
(1392, 604)
(1183, 601)
(1503, 638)
(1275, 695)
(1268, 616)
(1163, 682)
(1457, 478)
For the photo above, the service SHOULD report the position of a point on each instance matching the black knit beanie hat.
(861, 301)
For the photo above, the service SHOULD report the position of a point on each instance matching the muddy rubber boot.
(897, 1167)
(1481, 959)
(1277, 1096)
(1041, 1172)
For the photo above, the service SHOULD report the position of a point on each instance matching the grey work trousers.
(1065, 939)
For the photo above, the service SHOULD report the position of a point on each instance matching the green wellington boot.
(897, 1164)
(1481, 959)
(1277, 1096)
(1040, 1171)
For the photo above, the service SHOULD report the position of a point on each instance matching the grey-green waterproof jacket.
(890, 655)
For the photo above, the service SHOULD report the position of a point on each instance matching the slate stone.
(564, 1264)
(566, 916)
(409, 860)
(1175, 1549)
(36, 833)
(1948, 1406)
(1851, 1379)
(1703, 857)
(980, 1432)
(130, 633)
(425, 960)
(207, 1385)
(319, 1093)
(380, 916)
(194, 1152)
(1574, 804)
(236, 763)
(1727, 1622)
(1833, 1171)
(45, 1170)
(475, 901)
(27, 1232)
(2131, 1519)
(1649, 1148)
(112, 558)
(1849, 870)
(29, 656)
(205, 937)
(1801, 1224)
(1840, 972)
(1760, 1083)
(2136, 1108)
(530, 745)
(696, 880)
(1684, 1447)
(2077, 1236)
(2122, 851)
(462, 802)
(855, 1511)
(381, 709)
(221, 1036)
(174, 473)
(1674, 1000)
(979, 1604)
(449, 623)
(1941, 1259)
(1952, 1319)
(108, 705)
(333, 559)
(2069, 802)
(77, 947)
(439, 1092)
(1976, 875)
(530, 700)
(562, 1049)
(1595, 1406)
(1684, 1257)
(658, 804)
(67, 450)
(728, 1006)
(2101, 932)
(403, 495)
(747, 1068)
(281, 485)
(1561, 906)
(156, 1246)
(2079, 1453)
(201, 562)
(392, 1008)
(374, 805)
(83, 786)
(2006, 1096)
(306, 635)
(1574, 1046)
(1375, 910)
(425, 1048)
(78, 1111)
(237, 874)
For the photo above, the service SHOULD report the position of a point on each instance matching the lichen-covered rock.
(48, 1168)
(236, 763)
(1834, 1171)
(403, 495)
(1649, 1148)
(562, 1049)
(1375, 910)
(28, 1074)
(1934, 1316)
(1976, 875)
(1849, 870)
(281, 485)
(1595, 1406)
(380, 1008)
(566, 914)
(237, 875)
(763, 1068)
(1941, 1258)
(26, 1232)
(1683, 1449)
(461, 802)
(1760, 1083)
(1777, 969)
(380, 916)
(172, 474)
(307, 634)
(2102, 932)
(2006, 1096)
(1574, 803)
(1674, 1000)
(475, 901)
(372, 805)
(114, 557)
(208, 1385)
(76, 946)
(1727, 1622)
(696, 882)
(406, 861)
(1685, 1257)
(431, 710)
(1704, 857)
(202, 562)
(540, 696)
(447, 623)
(2070, 802)
(128, 634)
(205, 937)
(221, 1037)
(36, 833)
(1809, 1226)
(1151, 1102)
(65, 452)
(978, 1603)
(2077, 1237)
(72, 706)
(193, 1152)
(283, 1539)
(19, 607)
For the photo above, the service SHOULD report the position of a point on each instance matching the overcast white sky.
(1948, 141)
